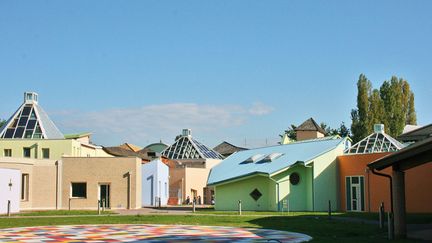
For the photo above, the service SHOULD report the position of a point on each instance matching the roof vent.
(30, 97)
(187, 132)
(379, 128)
(254, 158)
(271, 157)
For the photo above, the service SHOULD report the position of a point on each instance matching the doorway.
(104, 195)
(355, 193)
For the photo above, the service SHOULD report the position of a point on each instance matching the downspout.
(313, 186)
(57, 183)
(391, 186)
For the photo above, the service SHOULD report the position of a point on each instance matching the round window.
(294, 178)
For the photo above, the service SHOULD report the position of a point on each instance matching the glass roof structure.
(188, 148)
(30, 121)
(375, 143)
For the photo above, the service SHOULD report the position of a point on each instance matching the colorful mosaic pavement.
(146, 233)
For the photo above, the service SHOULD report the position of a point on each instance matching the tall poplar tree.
(359, 116)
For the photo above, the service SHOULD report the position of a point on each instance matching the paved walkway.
(146, 233)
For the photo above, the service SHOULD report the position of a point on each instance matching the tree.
(360, 125)
(2, 122)
(411, 115)
(392, 105)
(292, 134)
(376, 109)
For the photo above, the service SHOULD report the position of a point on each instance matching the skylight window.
(254, 158)
(271, 157)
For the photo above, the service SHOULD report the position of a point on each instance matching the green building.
(300, 176)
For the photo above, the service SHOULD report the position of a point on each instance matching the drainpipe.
(391, 186)
(57, 182)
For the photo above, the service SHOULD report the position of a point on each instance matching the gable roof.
(310, 125)
(375, 143)
(131, 147)
(269, 160)
(122, 152)
(227, 149)
(30, 121)
(417, 134)
(186, 148)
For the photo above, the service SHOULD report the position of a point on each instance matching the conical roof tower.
(30, 121)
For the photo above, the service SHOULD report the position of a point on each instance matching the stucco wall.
(41, 191)
(326, 183)
(58, 148)
(96, 171)
(303, 135)
(377, 189)
(228, 195)
(298, 197)
(10, 192)
(160, 173)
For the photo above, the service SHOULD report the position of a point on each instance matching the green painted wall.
(57, 147)
(228, 195)
(298, 197)
(326, 181)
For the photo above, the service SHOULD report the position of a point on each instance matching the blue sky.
(140, 71)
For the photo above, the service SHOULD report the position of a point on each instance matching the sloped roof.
(375, 143)
(310, 125)
(227, 149)
(254, 161)
(77, 135)
(188, 148)
(30, 121)
(130, 146)
(417, 134)
(122, 152)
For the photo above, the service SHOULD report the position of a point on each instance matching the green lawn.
(319, 227)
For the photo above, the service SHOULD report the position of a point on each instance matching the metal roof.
(30, 121)
(241, 164)
(188, 148)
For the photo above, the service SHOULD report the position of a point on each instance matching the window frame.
(43, 153)
(24, 154)
(72, 190)
(9, 154)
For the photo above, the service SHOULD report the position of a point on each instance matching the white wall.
(12, 193)
(158, 173)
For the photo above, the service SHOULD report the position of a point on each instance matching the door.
(355, 198)
(104, 195)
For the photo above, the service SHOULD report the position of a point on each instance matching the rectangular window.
(7, 153)
(24, 187)
(45, 153)
(26, 152)
(79, 189)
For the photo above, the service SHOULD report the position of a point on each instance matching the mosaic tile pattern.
(146, 233)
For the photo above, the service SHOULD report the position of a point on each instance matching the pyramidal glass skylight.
(30, 121)
(377, 142)
(188, 148)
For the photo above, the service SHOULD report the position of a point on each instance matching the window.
(79, 189)
(294, 178)
(255, 194)
(24, 187)
(45, 153)
(27, 152)
(7, 153)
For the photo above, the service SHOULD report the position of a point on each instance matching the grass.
(319, 227)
